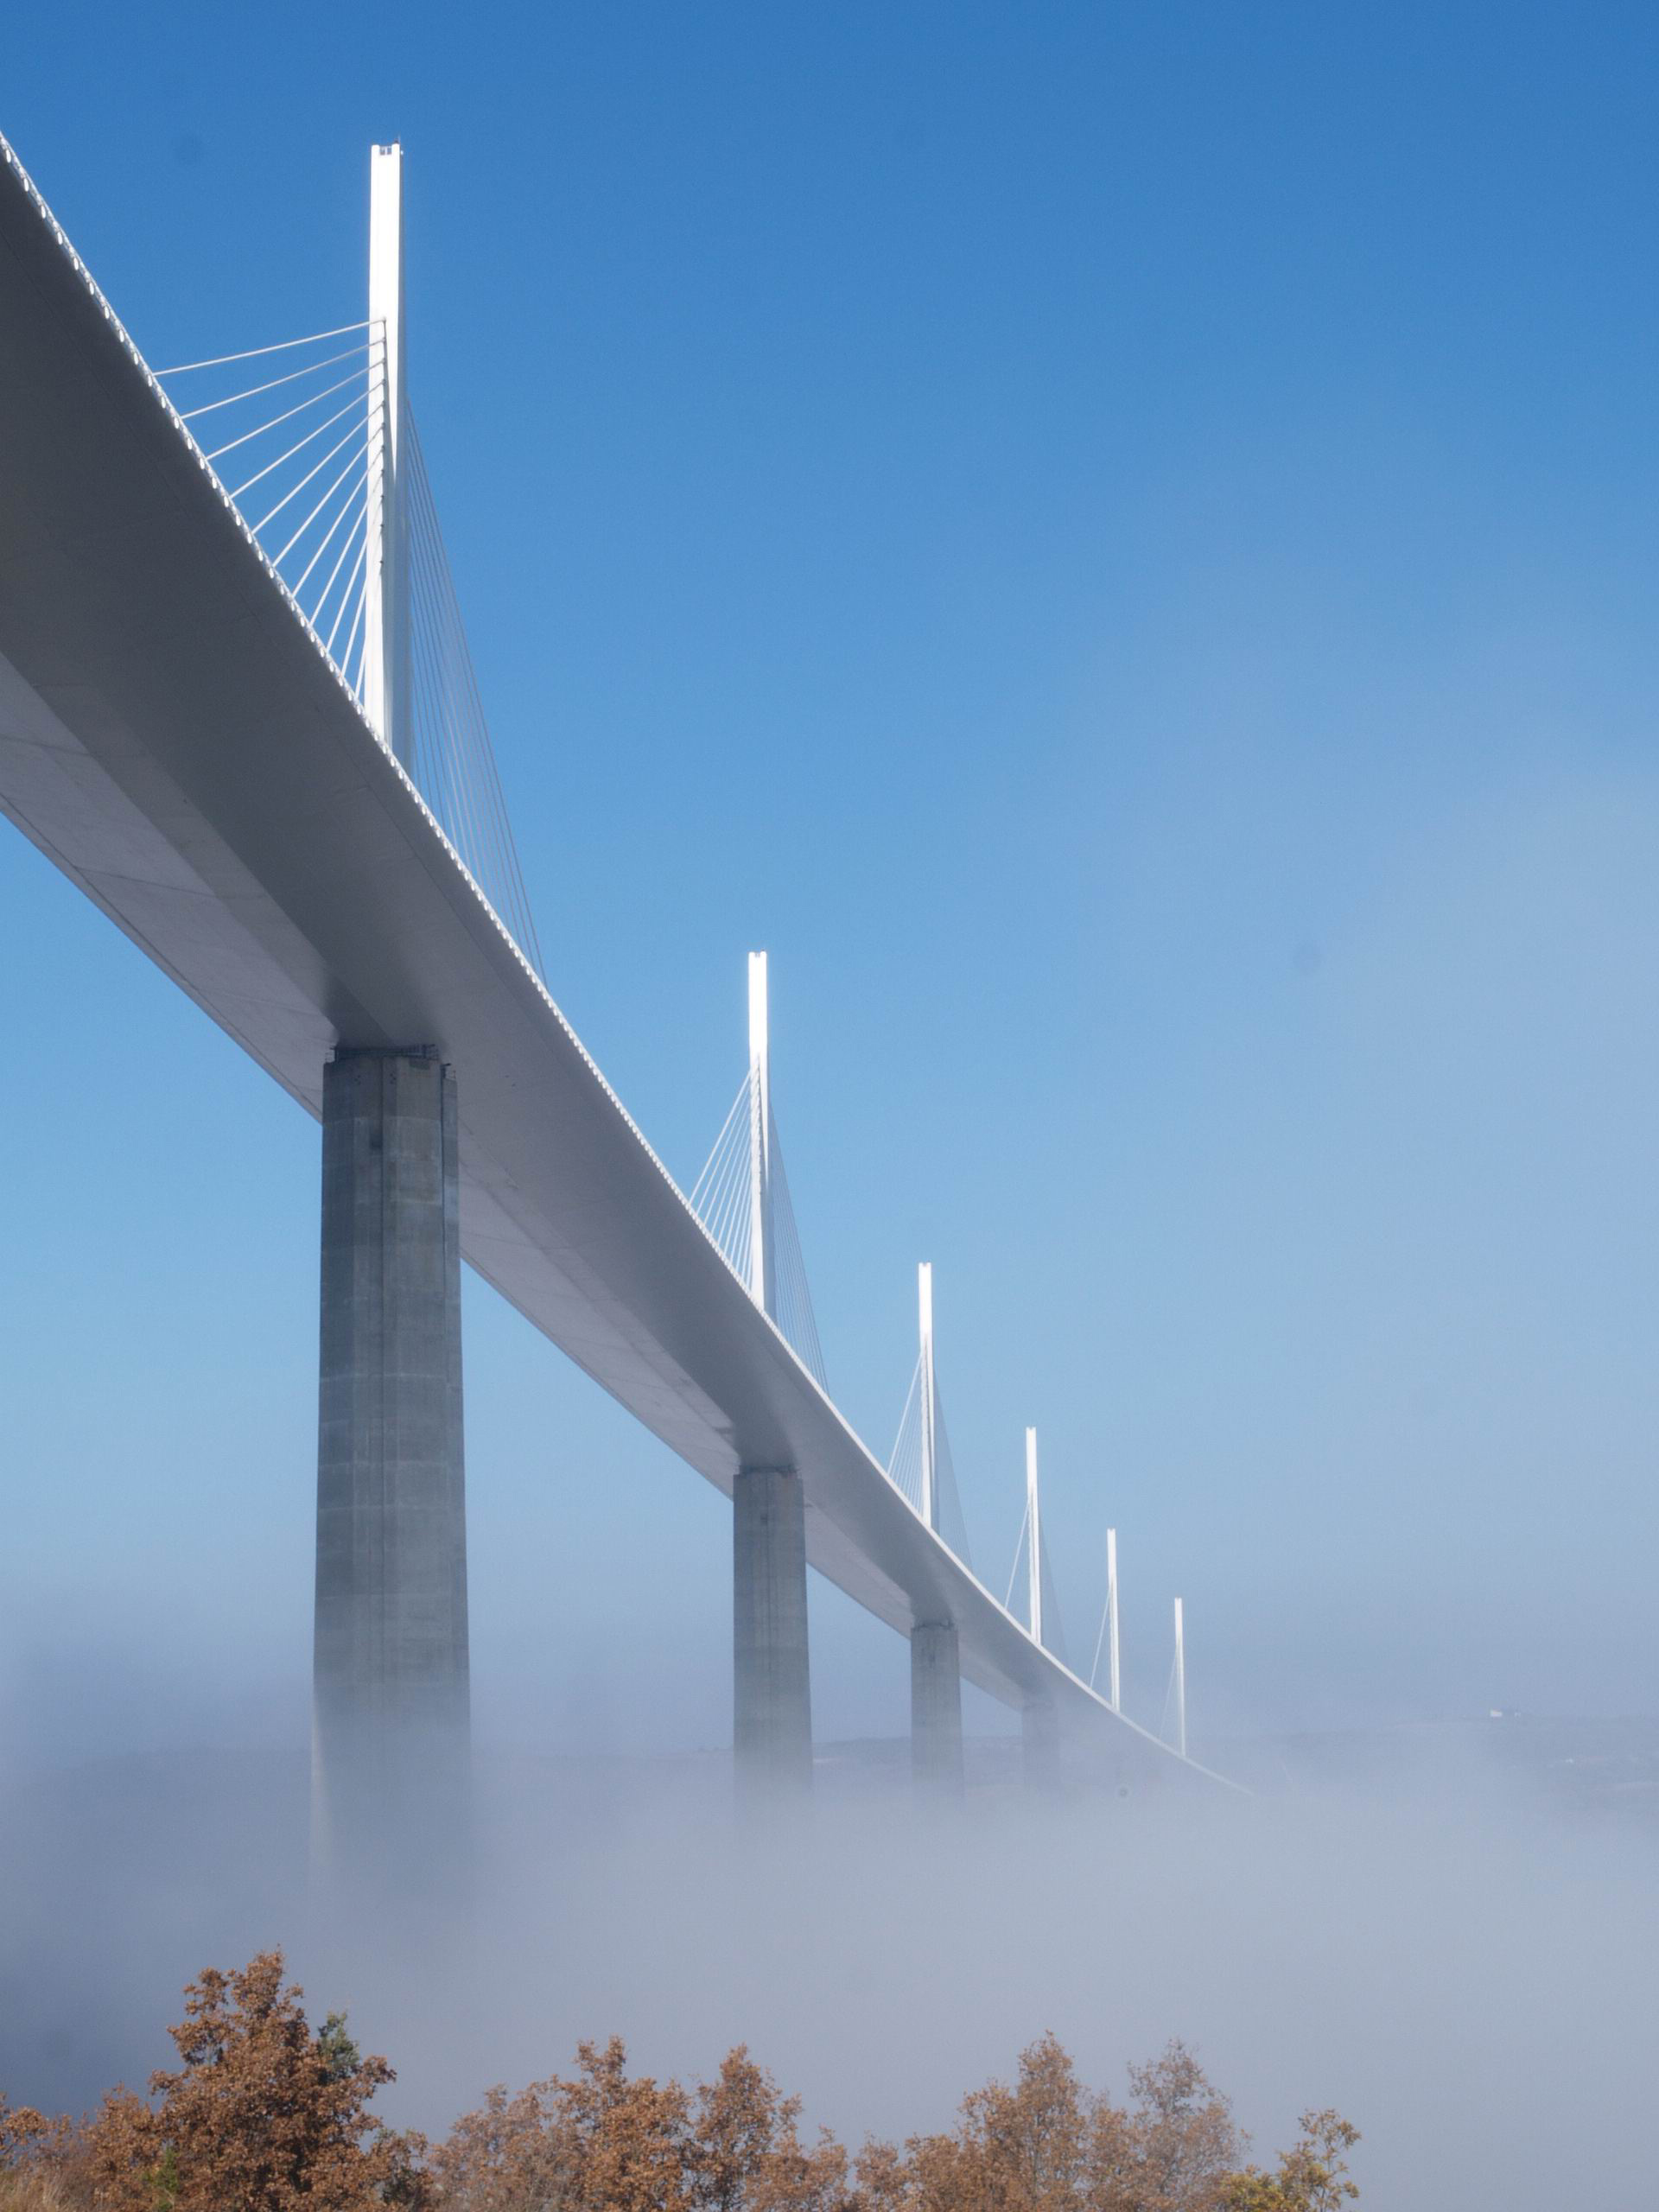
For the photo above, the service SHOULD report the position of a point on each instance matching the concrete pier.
(772, 1699)
(1039, 1744)
(935, 1709)
(391, 1689)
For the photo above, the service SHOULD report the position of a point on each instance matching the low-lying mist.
(1463, 1969)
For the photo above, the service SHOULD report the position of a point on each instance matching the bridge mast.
(930, 1449)
(762, 1278)
(935, 1654)
(1039, 1719)
(1112, 1680)
(385, 625)
(1180, 1680)
(1033, 1542)
(772, 1694)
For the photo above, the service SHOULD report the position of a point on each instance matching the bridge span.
(176, 737)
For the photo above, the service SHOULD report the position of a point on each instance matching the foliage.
(261, 2115)
(1311, 2176)
(604, 2139)
(264, 2115)
(1047, 2144)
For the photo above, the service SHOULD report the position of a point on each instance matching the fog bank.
(1461, 1966)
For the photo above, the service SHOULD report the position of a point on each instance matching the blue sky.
(1117, 544)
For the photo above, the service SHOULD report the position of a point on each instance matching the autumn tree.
(599, 2137)
(1313, 2174)
(1179, 2140)
(262, 2115)
(1016, 2148)
(629, 2143)
(20, 2130)
(744, 2153)
(1047, 2144)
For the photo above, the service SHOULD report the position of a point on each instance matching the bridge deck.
(173, 739)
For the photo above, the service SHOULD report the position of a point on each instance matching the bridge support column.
(1039, 1745)
(935, 1709)
(773, 1702)
(391, 1688)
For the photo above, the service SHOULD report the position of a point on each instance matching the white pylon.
(929, 1432)
(385, 606)
(763, 1279)
(1034, 1542)
(1114, 1683)
(1180, 1681)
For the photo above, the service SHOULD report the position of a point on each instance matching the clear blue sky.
(1118, 543)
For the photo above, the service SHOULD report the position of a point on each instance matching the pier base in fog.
(772, 1689)
(935, 1709)
(390, 1752)
(1039, 1745)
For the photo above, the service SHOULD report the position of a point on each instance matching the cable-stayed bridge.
(238, 708)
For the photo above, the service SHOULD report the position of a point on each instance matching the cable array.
(953, 1525)
(294, 452)
(300, 451)
(1053, 1637)
(1053, 1626)
(454, 761)
(722, 1197)
(1168, 1706)
(795, 1315)
(1018, 1558)
(905, 1460)
(1100, 1642)
(904, 1467)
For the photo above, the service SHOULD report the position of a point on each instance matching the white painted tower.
(763, 1274)
(385, 617)
(1113, 1687)
(1035, 1540)
(930, 1417)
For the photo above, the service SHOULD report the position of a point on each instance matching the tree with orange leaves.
(263, 2114)
(603, 2139)
(1047, 2144)
(1313, 2174)
(744, 2153)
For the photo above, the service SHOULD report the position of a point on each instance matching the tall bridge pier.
(390, 1687)
(936, 1708)
(772, 1730)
